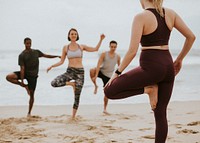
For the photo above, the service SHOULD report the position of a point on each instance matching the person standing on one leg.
(29, 67)
(105, 68)
(156, 73)
(75, 70)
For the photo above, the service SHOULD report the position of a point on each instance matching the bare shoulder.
(141, 16)
(118, 56)
(82, 46)
(170, 12)
(65, 47)
(103, 54)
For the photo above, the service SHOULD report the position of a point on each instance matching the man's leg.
(92, 76)
(31, 102)
(105, 105)
(14, 78)
(105, 80)
(32, 82)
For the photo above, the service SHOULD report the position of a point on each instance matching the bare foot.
(95, 89)
(71, 84)
(72, 120)
(106, 113)
(152, 91)
(28, 115)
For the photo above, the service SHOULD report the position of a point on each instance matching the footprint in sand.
(186, 131)
(145, 129)
(113, 129)
(149, 137)
(5, 141)
(79, 139)
(126, 117)
(107, 121)
(178, 126)
(152, 137)
(190, 113)
(91, 128)
(196, 123)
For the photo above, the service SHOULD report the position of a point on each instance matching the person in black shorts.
(29, 66)
(105, 68)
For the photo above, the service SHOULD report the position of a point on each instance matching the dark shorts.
(32, 81)
(104, 78)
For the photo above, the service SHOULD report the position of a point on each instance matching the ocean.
(47, 23)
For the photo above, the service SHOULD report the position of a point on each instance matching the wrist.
(118, 72)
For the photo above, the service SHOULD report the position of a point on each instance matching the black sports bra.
(160, 36)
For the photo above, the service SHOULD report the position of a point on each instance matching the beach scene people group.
(154, 76)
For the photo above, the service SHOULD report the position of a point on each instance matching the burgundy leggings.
(156, 67)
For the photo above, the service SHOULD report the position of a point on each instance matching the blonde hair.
(158, 6)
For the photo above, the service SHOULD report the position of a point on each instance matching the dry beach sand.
(127, 123)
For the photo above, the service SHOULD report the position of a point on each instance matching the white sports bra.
(74, 54)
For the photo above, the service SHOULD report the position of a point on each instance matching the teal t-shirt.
(30, 60)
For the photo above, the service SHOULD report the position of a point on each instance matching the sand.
(127, 123)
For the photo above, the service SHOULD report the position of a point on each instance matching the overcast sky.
(47, 21)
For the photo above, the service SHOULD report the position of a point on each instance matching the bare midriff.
(75, 63)
(164, 47)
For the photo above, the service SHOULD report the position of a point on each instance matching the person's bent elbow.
(193, 37)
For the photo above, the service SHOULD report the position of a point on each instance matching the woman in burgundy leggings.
(156, 73)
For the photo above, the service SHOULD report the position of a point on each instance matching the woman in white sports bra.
(75, 71)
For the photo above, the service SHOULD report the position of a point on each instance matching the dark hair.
(113, 42)
(73, 29)
(26, 39)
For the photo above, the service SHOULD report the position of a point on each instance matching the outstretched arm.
(50, 56)
(91, 49)
(190, 38)
(61, 60)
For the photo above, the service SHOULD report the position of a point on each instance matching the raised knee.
(107, 93)
(53, 84)
(8, 78)
(109, 96)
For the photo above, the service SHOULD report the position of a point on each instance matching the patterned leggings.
(76, 74)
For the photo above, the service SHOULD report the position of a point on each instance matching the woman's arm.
(190, 38)
(61, 60)
(91, 49)
(136, 33)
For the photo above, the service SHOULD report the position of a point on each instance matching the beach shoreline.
(127, 123)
